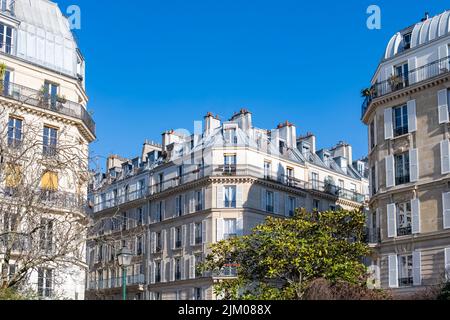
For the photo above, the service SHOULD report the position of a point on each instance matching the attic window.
(407, 41)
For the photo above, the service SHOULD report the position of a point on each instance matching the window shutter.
(182, 268)
(417, 268)
(163, 239)
(177, 206)
(220, 196)
(192, 267)
(239, 196)
(447, 263)
(445, 157)
(172, 270)
(163, 210)
(152, 272)
(263, 199)
(414, 165)
(415, 216)
(184, 235)
(391, 220)
(276, 202)
(219, 229)
(388, 128)
(186, 203)
(163, 271)
(446, 210)
(172, 238)
(412, 116)
(153, 243)
(376, 176)
(443, 106)
(182, 202)
(203, 199)
(240, 226)
(204, 231)
(393, 271)
(390, 181)
(412, 64)
(192, 234)
(286, 205)
(192, 202)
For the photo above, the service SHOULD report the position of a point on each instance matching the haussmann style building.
(42, 110)
(175, 199)
(407, 114)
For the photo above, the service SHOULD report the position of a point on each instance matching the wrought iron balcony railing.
(116, 282)
(398, 82)
(228, 271)
(404, 231)
(372, 235)
(38, 99)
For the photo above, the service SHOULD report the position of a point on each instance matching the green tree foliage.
(283, 257)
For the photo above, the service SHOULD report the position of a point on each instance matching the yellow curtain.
(13, 175)
(50, 181)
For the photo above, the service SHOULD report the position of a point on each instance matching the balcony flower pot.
(395, 81)
(61, 99)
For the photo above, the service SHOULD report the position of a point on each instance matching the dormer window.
(407, 41)
(230, 136)
(7, 6)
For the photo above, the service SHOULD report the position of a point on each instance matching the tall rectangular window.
(198, 200)
(373, 180)
(291, 206)
(179, 205)
(177, 269)
(198, 233)
(198, 293)
(6, 34)
(158, 271)
(316, 204)
(139, 246)
(372, 134)
(290, 176)
(51, 94)
(269, 201)
(13, 177)
(230, 228)
(160, 182)
(158, 242)
(178, 237)
(400, 120)
(267, 170)
(404, 219)
(405, 270)
(180, 174)
(15, 133)
(159, 209)
(45, 283)
(46, 236)
(50, 141)
(140, 216)
(230, 197)
(229, 163)
(402, 169)
(315, 180)
(402, 76)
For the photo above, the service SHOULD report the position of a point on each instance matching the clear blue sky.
(159, 65)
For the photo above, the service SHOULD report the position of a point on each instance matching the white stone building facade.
(178, 197)
(407, 115)
(43, 101)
